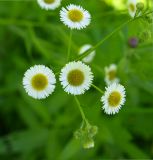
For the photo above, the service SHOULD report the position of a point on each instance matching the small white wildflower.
(113, 99)
(110, 74)
(76, 78)
(39, 81)
(131, 5)
(75, 17)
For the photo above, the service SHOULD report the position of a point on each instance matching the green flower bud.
(93, 131)
(88, 143)
(78, 134)
(85, 134)
(140, 6)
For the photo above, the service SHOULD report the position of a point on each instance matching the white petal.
(104, 99)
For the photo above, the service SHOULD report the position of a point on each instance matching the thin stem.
(108, 36)
(81, 110)
(102, 41)
(69, 46)
(98, 89)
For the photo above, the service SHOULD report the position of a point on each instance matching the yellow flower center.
(49, 1)
(114, 99)
(112, 74)
(75, 77)
(75, 15)
(132, 7)
(39, 81)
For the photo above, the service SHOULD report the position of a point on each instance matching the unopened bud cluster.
(85, 134)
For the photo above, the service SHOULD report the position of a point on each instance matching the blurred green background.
(43, 129)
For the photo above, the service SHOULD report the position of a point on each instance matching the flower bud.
(85, 134)
(140, 6)
(93, 131)
(133, 42)
(88, 143)
(78, 134)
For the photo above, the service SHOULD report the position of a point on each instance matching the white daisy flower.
(75, 17)
(76, 78)
(132, 7)
(49, 4)
(113, 99)
(110, 74)
(89, 57)
(39, 81)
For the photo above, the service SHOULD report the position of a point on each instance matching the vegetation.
(32, 129)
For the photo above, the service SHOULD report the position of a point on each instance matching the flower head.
(132, 7)
(76, 78)
(89, 57)
(49, 4)
(39, 81)
(111, 74)
(75, 17)
(113, 99)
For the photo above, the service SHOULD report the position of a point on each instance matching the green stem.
(108, 36)
(97, 88)
(69, 46)
(102, 41)
(81, 110)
